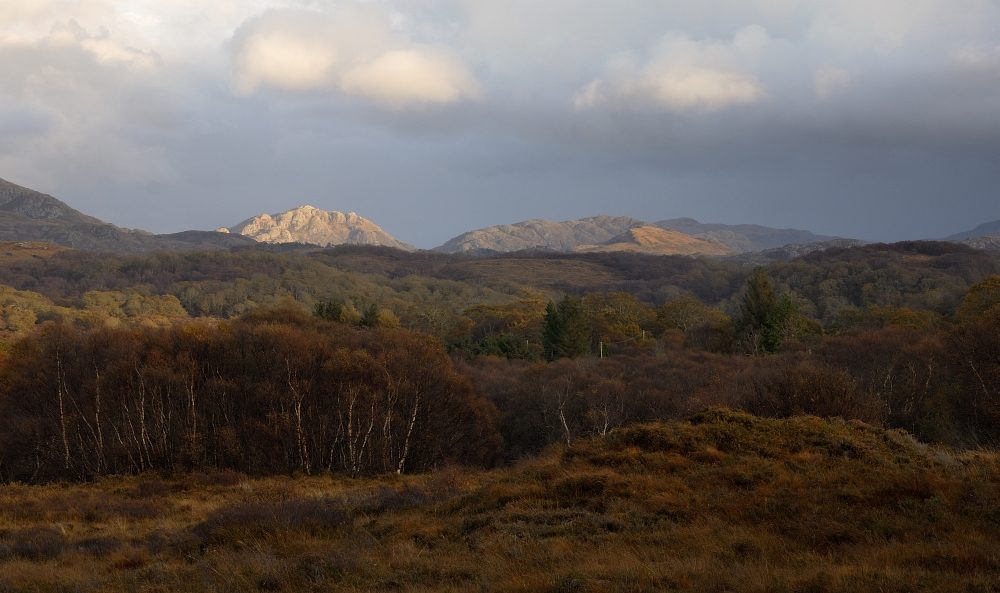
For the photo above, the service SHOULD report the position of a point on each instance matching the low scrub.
(720, 501)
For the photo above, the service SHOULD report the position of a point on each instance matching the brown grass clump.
(723, 501)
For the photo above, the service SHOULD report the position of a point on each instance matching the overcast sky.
(876, 119)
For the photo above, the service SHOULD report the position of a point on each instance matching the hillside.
(571, 234)
(309, 225)
(742, 237)
(722, 501)
(656, 241)
(987, 229)
(541, 234)
(790, 252)
(28, 215)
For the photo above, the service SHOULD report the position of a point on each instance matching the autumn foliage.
(273, 392)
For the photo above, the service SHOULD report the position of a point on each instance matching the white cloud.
(412, 75)
(352, 50)
(684, 75)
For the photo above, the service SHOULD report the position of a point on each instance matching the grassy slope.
(721, 502)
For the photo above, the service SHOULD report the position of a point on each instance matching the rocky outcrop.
(542, 234)
(986, 243)
(306, 224)
(656, 241)
(743, 238)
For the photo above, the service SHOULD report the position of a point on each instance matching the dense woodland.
(368, 361)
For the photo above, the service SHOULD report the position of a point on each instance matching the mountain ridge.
(595, 230)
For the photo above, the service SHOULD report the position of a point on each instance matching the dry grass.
(722, 502)
(15, 250)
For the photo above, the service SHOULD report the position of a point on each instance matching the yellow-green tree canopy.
(982, 297)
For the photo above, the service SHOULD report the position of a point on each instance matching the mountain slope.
(39, 206)
(28, 215)
(742, 237)
(566, 236)
(657, 241)
(306, 224)
(987, 229)
(542, 234)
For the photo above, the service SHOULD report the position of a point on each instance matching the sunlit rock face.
(306, 224)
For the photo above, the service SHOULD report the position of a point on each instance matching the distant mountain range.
(28, 215)
(597, 230)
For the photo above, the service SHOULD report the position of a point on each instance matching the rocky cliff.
(657, 241)
(306, 224)
(987, 243)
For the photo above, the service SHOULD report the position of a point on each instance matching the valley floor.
(723, 501)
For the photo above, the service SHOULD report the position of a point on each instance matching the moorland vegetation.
(722, 501)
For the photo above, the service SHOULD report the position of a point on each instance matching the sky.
(872, 119)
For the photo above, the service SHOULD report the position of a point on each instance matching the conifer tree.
(565, 333)
(763, 313)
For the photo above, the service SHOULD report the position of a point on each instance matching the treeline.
(280, 391)
(440, 293)
(939, 384)
(175, 362)
(271, 392)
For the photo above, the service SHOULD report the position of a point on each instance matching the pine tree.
(566, 332)
(763, 312)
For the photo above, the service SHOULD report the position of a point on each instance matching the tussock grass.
(723, 501)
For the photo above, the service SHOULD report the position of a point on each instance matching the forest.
(365, 361)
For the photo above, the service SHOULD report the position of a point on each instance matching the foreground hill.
(723, 501)
(28, 215)
(656, 241)
(306, 224)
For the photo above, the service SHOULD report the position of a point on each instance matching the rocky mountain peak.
(307, 224)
